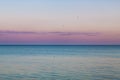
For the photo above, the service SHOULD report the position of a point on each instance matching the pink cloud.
(52, 33)
(56, 37)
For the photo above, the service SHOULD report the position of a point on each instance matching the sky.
(60, 22)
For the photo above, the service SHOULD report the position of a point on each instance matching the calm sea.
(59, 62)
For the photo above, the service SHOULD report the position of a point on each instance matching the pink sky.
(13, 37)
(60, 22)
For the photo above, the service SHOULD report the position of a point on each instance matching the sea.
(59, 62)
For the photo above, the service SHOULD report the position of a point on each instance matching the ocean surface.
(59, 62)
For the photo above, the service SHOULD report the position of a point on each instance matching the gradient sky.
(80, 22)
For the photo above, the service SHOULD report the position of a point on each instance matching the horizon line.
(60, 45)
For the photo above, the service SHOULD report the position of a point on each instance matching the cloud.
(52, 33)
(76, 33)
(16, 32)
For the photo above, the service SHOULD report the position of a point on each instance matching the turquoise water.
(59, 62)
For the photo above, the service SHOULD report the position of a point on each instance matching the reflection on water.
(59, 68)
